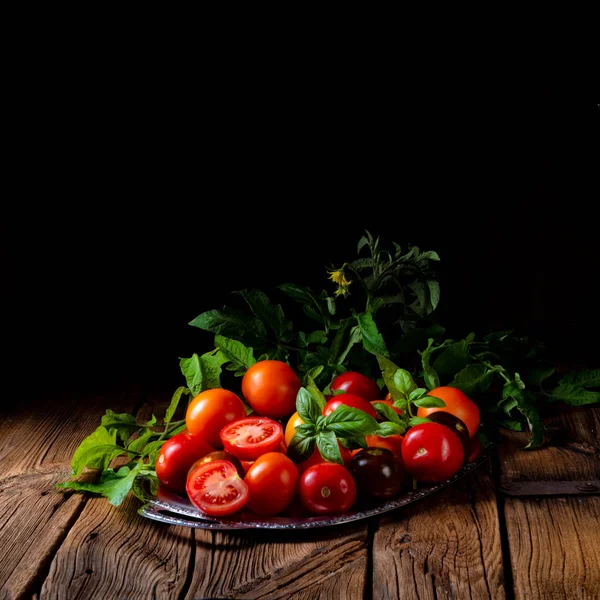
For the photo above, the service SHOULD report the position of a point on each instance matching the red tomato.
(250, 437)
(349, 400)
(246, 464)
(220, 455)
(176, 457)
(316, 458)
(390, 403)
(273, 482)
(270, 387)
(457, 404)
(217, 489)
(327, 489)
(473, 450)
(290, 428)
(356, 384)
(391, 442)
(432, 452)
(210, 411)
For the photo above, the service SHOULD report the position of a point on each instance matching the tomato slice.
(217, 489)
(252, 437)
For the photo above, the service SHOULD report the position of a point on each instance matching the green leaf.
(414, 421)
(316, 337)
(416, 394)
(232, 324)
(430, 402)
(574, 395)
(364, 241)
(587, 378)
(328, 447)
(346, 421)
(539, 374)
(306, 296)
(362, 263)
(315, 392)
(526, 403)
(388, 371)
(430, 375)
(270, 314)
(434, 294)
(152, 422)
(96, 451)
(497, 336)
(417, 338)
(313, 314)
(507, 405)
(138, 444)
(203, 372)
(180, 391)
(387, 412)
(404, 382)
(355, 337)
(473, 378)
(453, 359)
(331, 308)
(388, 428)
(301, 445)
(234, 351)
(113, 485)
(152, 450)
(192, 371)
(123, 423)
(308, 408)
(372, 339)
(511, 424)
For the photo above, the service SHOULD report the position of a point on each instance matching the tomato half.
(349, 400)
(176, 457)
(327, 489)
(432, 452)
(217, 489)
(210, 411)
(221, 455)
(250, 437)
(457, 404)
(357, 384)
(272, 483)
(271, 387)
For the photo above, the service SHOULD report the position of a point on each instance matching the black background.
(135, 213)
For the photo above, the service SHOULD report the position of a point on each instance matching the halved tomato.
(249, 438)
(217, 489)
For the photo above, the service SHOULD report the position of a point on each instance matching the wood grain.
(554, 547)
(446, 546)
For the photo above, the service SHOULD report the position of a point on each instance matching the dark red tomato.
(250, 437)
(317, 459)
(273, 482)
(377, 473)
(432, 452)
(349, 400)
(327, 489)
(271, 387)
(176, 457)
(393, 443)
(473, 450)
(457, 404)
(356, 384)
(217, 489)
(210, 411)
(390, 403)
(221, 455)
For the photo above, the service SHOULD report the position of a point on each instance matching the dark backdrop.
(131, 220)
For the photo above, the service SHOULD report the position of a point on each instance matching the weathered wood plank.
(445, 546)
(554, 546)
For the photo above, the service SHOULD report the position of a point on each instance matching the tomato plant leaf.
(473, 378)
(587, 378)
(387, 412)
(372, 339)
(96, 450)
(271, 315)
(123, 423)
(429, 402)
(328, 447)
(138, 444)
(235, 352)
(430, 375)
(388, 370)
(233, 324)
(307, 406)
(527, 406)
(573, 395)
(452, 359)
(511, 424)
(388, 428)
(180, 391)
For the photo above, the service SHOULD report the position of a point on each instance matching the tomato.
(220, 455)
(246, 464)
(390, 403)
(393, 443)
(454, 423)
(250, 437)
(290, 428)
(270, 387)
(432, 452)
(272, 482)
(349, 400)
(377, 473)
(217, 489)
(458, 404)
(176, 457)
(473, 451)
(327, 489)
(356, 384)
(210, 411)
(316, 458)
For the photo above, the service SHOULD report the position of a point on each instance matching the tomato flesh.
(249, 438)
(217, 489)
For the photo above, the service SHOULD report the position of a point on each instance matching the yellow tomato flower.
(339, 278)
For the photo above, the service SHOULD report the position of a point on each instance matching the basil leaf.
(301, 445)
(387, 412)
(413, 421)
(353, 443)
(416, 394)
(401, 405)
(404, 382)
(328, 447)
(308, 408)
(388, 428)
(430, 402)
(314, 391)
(346, 421)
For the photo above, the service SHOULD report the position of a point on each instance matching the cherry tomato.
(217, 489)
(356, 384)
(271, 387)
(327, 489)
(290, 428)
(250, 437)
(432, 452)
(377, 473)
(349, 400)
(449, 420)
(390, 403)
(457, 404)
(272, 482)
(210, 411)
(316, 458)
(246, 464)
(393, 443)
(220, 455)
(176, 457)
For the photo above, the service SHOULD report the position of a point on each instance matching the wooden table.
(471, 540)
